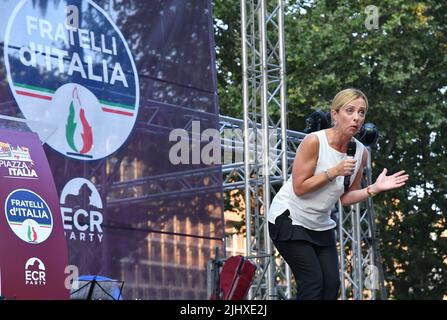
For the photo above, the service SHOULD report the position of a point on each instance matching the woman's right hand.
(346, 167)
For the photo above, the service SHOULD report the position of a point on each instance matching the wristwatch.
(371, 194)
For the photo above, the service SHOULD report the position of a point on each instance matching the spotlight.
(317, 120)
(368, 134)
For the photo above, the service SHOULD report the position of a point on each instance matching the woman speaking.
(299, 217)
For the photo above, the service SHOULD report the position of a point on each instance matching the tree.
(227, 29)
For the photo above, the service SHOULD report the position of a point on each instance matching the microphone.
(352, 146)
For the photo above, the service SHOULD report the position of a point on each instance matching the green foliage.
(227, 26)
(401, 66)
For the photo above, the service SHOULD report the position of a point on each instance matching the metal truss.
(264, 95)
(232, 143)
(360, 263)
(167, 186)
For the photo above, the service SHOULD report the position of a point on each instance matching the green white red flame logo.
(71, 125)
(32, 234)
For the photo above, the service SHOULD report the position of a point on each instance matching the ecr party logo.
(69, 67)
(28, 216)
(35, 274)
(81, 209)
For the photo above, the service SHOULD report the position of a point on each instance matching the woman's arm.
(304, 165)
(354, 193)
(306, 159)
(383, 183)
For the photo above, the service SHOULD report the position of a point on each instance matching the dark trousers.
(315, 268)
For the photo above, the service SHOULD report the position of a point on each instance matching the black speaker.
(368, 134)
(317, 120)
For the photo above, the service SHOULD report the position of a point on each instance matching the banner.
(119, 80)
(33, 250)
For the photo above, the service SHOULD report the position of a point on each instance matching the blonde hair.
(345, 96)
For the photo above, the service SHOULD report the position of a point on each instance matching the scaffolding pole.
(263, 73)
(361, 269)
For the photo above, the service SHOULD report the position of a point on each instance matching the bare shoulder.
(310, 142)
(305, 161)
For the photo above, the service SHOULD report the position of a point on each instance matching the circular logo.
(35, 263)
(74, 73)
(35, 272)
(80, 187)
(29, 216)
(81, 209)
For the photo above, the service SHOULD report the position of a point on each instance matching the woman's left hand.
(384, 182)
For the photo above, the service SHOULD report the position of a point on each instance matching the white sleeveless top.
(313, 210)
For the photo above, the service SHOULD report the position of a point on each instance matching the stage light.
(368, 134)
(317, 120)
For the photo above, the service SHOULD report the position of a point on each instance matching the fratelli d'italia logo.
(76, 107)
(70, 67)
(29, 216)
